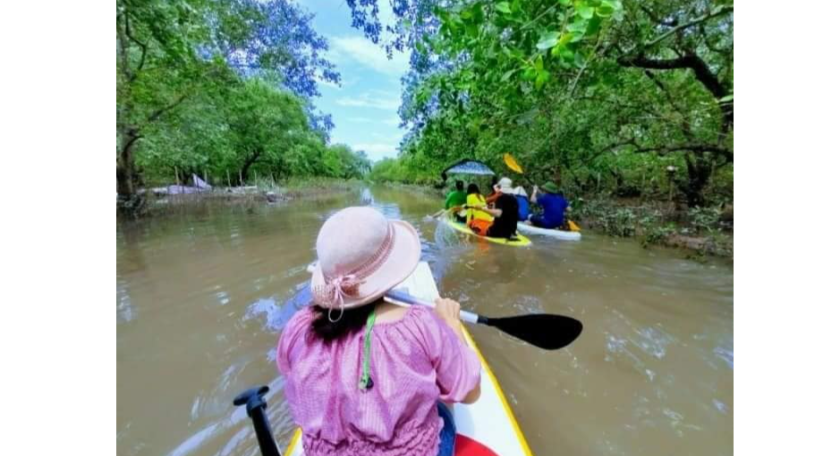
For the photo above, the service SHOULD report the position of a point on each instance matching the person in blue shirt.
(554, 207)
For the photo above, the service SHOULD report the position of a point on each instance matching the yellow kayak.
(520, 241)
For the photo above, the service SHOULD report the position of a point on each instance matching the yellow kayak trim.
(499, 392)
(293, 443)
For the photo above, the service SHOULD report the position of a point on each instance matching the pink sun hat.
(361, 256)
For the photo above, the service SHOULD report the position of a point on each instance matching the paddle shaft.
(549, 332)
(406, 298)
(255, 406)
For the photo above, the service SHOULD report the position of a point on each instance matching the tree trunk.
(243, 172)
(129, 201)
(699, 172)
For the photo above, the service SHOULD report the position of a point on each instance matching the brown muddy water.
(201, 300)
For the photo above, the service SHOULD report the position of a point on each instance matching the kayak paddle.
(511, 163)
(255, 406)
(514, 166)
(546, 331)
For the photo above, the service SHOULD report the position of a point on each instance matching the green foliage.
(657, 234)
(704, 219)
(249, 128)
(184, 108)
(600, 96)
(413, 169)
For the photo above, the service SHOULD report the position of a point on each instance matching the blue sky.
(364, 107)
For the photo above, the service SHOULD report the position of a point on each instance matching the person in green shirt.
(455, 198)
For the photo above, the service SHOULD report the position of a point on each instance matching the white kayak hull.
(489, 422)
(558, 234)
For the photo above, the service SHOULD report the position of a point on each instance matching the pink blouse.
(415, 362)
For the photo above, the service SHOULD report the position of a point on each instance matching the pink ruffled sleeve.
(291, 338)
(456, 365)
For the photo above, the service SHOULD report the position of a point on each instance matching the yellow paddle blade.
(573, 226)
(512, 164)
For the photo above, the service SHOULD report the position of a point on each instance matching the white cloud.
(329, 84)
(363, 52)
(385, 137)
(359, 119)
(374, 99)
(394, 121)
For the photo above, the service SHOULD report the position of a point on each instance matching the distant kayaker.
(506, 216)
(368, 377)
(554, 207)
(457, 197)
(506, 211)
(495, 193)
(477, 218)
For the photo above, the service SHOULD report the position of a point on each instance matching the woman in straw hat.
(364, 376)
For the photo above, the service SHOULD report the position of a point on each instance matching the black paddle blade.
(549, 332)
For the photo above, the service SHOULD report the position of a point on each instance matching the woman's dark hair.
(459, 185)
(472, 188)
(351, 322)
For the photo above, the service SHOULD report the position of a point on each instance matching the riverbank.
(700, 231)
(161, 201)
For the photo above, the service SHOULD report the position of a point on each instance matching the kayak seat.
(465, 446)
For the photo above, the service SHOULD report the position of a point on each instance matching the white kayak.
(555, 233)
(485, 428)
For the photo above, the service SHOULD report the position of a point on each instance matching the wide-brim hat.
(550, 187)
(506, 185)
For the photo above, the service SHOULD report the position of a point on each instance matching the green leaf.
(548, 40)
(529, 74)
(472, 30)
(542, 78)
(605, 11)
(584, 11)
(563, 53)
(726, 99)
(565, 39)
(594, 26)
(478, 13)
(577, 26)
(579, 61)
(538, 64)
(564, 2)
(503, 7)
(508, 74)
